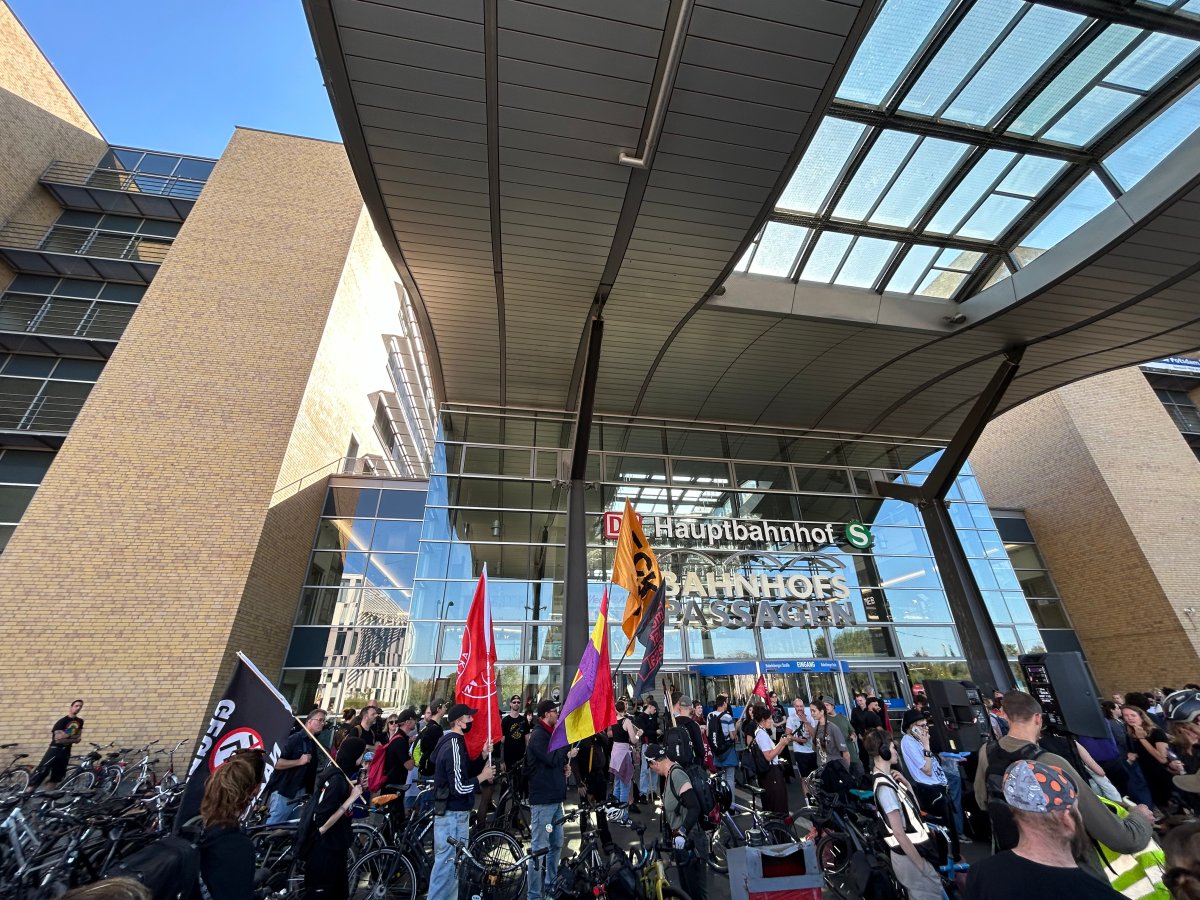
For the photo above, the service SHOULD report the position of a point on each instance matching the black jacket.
(547, 780)
(226, 863)
(455, 770)
(694, 732)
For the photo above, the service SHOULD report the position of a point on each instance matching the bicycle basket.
(492, 883)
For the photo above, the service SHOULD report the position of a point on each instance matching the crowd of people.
(1059, 808)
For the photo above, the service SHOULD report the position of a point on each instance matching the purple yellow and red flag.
(589, 707)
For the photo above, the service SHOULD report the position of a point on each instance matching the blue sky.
(179, 75)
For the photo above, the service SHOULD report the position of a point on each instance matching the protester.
(590, 767)
(1182, 709)
(875, 705)
(774, 790)
(1182, 849)
(904, 831)
(681, 816)
(862, 720)
(64, 734)
(456, 777)
(928, 778)
(698, 717)
(430, 733)
(1043, 802)
(1108, 756)
(801, 724)
(227, 863)
(722, 740)
(1024, 713)
(650, 726)
(917, 711)
(397, 761)
(828, 738)
(996, 719)
(843, 725)
(343, 729)
(325, 869)
(547, 781)
(293, 769)
(515, 729)
(621, 763)
(681, 705)
(1150, 744)
(1145, 703)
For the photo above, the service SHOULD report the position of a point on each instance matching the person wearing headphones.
(905, 833)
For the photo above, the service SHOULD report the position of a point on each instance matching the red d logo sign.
(611, 524)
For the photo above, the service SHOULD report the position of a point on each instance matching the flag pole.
(283, 701)
(487, 605)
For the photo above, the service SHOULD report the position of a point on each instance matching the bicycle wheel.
(834, 852)
(363, 839)
(383, 874)
(14, 781)
(498, 848)
(110, 781)
(719, 844)
(79, 781)
(778, 833)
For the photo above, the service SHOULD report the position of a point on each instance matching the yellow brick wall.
(1112, 494)
(159, 542)
(40, 122)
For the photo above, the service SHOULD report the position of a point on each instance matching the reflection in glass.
(927, 642)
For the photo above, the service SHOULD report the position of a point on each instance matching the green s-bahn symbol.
(859, 535)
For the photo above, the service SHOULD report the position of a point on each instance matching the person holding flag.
(589, 709)
(476, 685)
(456, 775)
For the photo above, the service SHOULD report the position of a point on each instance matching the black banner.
(250, 715)
(650, 635)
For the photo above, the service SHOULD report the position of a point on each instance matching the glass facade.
(498, 496)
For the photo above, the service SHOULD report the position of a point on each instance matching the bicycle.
(170, 779)
(14, 778)
(765, 829)
(644, 873)
(93, 771)
(508, 812)
(140, 775)
(586, 870)
(491, 880)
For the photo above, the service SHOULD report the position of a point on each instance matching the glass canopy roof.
(970, 136)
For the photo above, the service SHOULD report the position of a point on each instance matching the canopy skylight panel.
(990, 129)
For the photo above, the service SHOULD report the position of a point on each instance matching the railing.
(121, 180)
(20, 412)
(64, 316)
(84, 242)
(369, 464)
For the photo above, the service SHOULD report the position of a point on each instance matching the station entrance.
(789, 679)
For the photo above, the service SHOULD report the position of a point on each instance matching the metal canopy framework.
(960, 126)
(850, 209)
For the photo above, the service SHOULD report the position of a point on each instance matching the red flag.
(476, 684)
(760, 688)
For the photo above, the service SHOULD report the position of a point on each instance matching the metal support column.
(576, 627)
(980, 644)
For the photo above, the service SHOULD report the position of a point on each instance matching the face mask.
(467, 727)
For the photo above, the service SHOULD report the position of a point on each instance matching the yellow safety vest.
(1135, 875)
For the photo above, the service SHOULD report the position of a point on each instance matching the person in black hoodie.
(226, 853)
(325, 870)
(546, 779)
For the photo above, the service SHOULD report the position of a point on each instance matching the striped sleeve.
(460, 785)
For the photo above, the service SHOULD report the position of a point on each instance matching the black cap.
(655, 752)
(458, 710)
(514, 697)
(406, 715)
(912, 717)
(545, 706)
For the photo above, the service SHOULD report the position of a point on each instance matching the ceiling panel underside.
(535, 204)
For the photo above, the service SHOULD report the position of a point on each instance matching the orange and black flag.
(635, 568)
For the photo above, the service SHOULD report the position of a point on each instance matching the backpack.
(170, 868)
(377, 771)
(716, 735)
(678, 742)
(1004, 829)
(710, 808)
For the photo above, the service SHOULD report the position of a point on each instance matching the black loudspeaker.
(958, 722)
(1060, 682)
